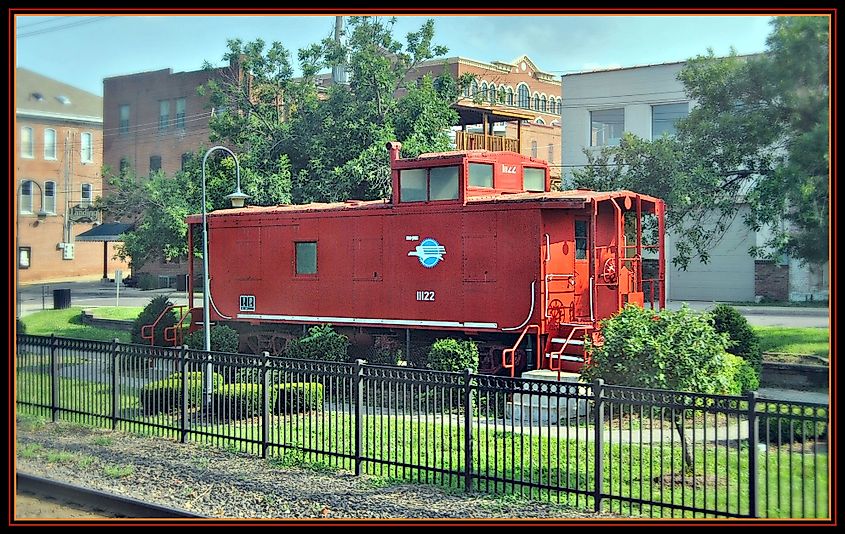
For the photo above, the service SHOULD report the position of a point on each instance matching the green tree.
(759, 131)
(334, 138)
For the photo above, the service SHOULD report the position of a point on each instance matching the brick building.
(502, 87)
(58, 159)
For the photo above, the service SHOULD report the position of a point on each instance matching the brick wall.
(771, 280)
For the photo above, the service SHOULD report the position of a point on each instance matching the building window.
(87, 195)
(155, 163)
(25, 203)
(124, 165)
(87, 148)
(180, 112)
(551, 158)
(536, 102)
(420, 185)
(50, 197)
(665, 116)
(539, 120)
(580, 240)
(24, 257)
(26, 142)
(163, 114)
(480, 175)
(510, 96)
(492, 92)
(552, 106)
(533, 149)
(474, 88)
(524, 96)
(186, 157)
(484, 90)
(543, 106)
(533, 179)
(49, 143)
(306, 257)
(124, 119)
(606, 126)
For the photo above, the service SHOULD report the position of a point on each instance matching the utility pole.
(339, 75)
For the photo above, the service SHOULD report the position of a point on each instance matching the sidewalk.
(699, 305)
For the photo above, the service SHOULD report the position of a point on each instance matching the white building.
(598, 106)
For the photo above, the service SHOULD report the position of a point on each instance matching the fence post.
(183, 372)
(54, 379)
(598, 463)
(358, 393)
(265, 403)
(115, 394)
(753, 440)
(467, 430)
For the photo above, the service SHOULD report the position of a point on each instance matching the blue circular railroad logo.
(429, 252)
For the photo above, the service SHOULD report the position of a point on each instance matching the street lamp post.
(237, 198)
(41, 215)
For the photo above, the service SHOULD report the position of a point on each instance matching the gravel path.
(219, 483)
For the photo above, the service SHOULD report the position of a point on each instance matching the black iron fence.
(636, 452)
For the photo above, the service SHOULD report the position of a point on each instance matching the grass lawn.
(68, 323)
(794, 340)
(113, 312)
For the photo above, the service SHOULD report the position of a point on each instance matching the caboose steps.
(544, 407)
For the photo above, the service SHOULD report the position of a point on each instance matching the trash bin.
(181, 282)
(61, 299)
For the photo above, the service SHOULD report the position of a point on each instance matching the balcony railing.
(474, 141)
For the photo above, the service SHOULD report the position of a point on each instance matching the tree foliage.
(758, 133)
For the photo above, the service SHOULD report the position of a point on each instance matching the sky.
(82, 50)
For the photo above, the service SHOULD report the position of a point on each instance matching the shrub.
(745, 343)
(149, 315)
(667, 350)
(783, 424)
(386, 351)
(166, 395)
(453, 355)
(298, 397)
(321, 343)
(740, 376)
(239, 401)
(223, 339)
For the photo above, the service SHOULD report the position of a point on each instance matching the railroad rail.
(98, 500)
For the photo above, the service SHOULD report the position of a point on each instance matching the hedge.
(166, 395)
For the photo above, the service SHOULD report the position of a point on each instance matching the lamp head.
(41, 214)
(238, 198)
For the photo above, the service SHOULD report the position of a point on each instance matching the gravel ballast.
(223, 484)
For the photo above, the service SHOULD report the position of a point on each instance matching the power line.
(63, 27)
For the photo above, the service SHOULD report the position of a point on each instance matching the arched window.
(539, 120)
(552, 106)
(533, 149)
(536, 102)
(87, 149)
(473, 88)
(50, 197)
(25, 203)
(510, 96)
(524, 97)
(26, 142)
(484, 90)
(492, 93)
(49, 143)
(543, 103)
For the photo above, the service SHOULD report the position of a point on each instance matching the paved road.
(40, 296)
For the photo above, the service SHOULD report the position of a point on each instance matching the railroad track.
(98, 500)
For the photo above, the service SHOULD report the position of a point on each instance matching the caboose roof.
(573, 199)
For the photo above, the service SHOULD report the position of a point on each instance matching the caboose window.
(412, 185)
(534, 179)
(443, 183)
(420, 185)
(580, 240)
(306, 258)
(480, 175)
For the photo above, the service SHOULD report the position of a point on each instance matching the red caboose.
(471, 243)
